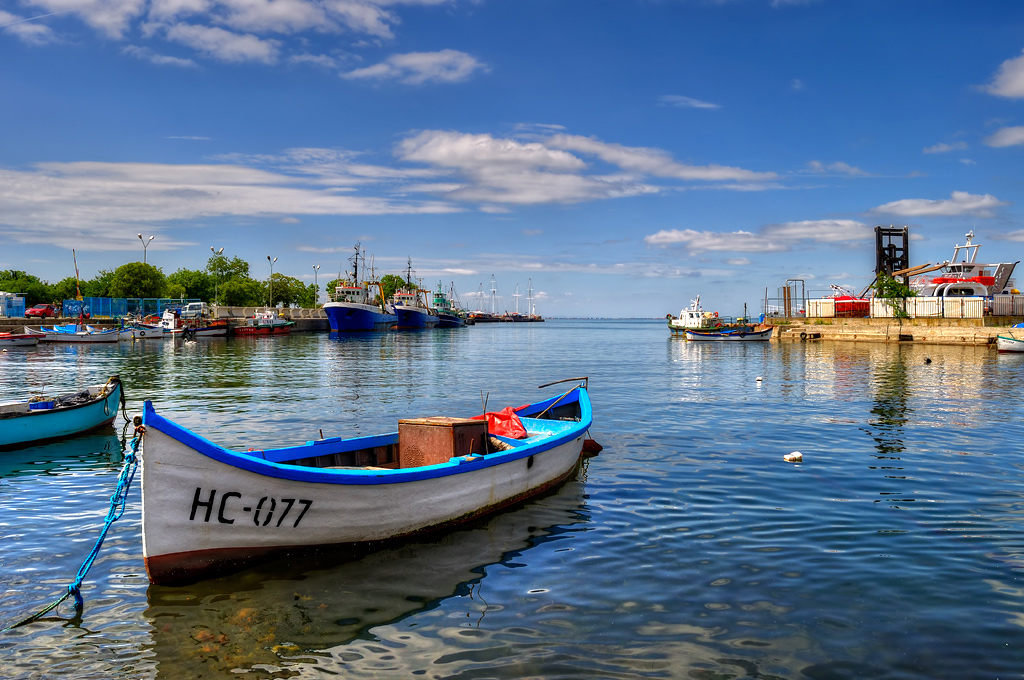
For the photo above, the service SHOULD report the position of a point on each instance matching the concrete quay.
(921, 330)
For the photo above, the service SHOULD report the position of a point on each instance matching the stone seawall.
(929, 331)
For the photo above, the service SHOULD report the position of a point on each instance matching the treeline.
(224, 281)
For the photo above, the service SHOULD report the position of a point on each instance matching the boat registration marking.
(262, 513)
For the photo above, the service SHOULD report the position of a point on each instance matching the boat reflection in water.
(99, 448)
(298, 611)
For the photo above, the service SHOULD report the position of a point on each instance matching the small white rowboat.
(209, 510)
(1005, 343)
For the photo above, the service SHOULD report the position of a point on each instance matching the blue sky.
(623, 155)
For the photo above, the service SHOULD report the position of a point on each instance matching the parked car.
(43, 311)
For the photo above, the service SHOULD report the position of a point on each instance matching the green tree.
(243, 292)
(65, 289)
(308, 298)
(896, 292)
(287, 290)
(389, 283)
(176, 291)
(99, 286)
(138, 280)
(34, 290)
(194, 283)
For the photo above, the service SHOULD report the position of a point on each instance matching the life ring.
(803, 336)
(142, 334)
(716, 315)
(742, 334)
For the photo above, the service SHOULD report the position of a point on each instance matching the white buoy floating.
(794, 457)
(758, 378)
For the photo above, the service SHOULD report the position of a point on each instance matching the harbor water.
(687, 549)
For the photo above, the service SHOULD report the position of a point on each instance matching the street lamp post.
(216, 276)
(316, 286)
(145, 245)
(271, 279)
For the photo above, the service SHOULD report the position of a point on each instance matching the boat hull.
(1008, 344)
(207, 510)
(353, 317)
(26, 339)
(275, 329)
(21, 426)
(56, 334)
(410, 318)
(730, 336)
(450, 321)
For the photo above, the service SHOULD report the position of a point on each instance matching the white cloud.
(112, 18)
(968, 161)
(772, 238)
(1008, 136)
(146, 54)
(225, 45)
(960, 203)
(944, 148)
(27, 29)
(1009, 80)
(699, 241)
(654, 162)
(682, 102)
(821, 231)
(737, 261)
(416, 68)
(837, 168)
(72, 203)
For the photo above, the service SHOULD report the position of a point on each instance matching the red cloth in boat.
(504, 423)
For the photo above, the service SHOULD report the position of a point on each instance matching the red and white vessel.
(964, 276)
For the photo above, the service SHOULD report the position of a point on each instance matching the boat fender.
(742, 334)
(803, 336)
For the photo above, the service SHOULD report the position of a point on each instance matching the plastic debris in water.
(795, 457)
(758, 378)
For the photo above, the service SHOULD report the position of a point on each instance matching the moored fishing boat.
(176, 324)
(351, 307)
(79, 333)
(407, 304)
(41, 418)
(695, 318)
(448, 313)
(26, 338)
(207, 509)
(265, 322)
(731, 335)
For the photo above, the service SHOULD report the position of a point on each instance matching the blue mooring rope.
(117, 506)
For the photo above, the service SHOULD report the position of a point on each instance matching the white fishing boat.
(207, 509)
(696, 318)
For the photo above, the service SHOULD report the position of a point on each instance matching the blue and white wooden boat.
(732, 335)
(42, 418)
(73, 332)
(207, 509)
(352, 308)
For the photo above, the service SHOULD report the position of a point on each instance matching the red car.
(43, 311)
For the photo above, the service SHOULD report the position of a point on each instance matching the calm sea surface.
(687, 549)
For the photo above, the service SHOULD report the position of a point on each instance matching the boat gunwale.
(354, 476)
